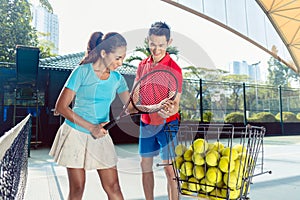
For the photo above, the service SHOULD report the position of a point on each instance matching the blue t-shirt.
(93, 96)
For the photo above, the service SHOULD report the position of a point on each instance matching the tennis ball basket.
(217, 161)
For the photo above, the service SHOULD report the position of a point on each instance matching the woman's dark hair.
(94, 40)
(99, 42)
(160, 29)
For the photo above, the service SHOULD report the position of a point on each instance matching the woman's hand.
(97, 131)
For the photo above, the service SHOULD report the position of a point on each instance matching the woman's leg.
(110, 183)
(76, 183)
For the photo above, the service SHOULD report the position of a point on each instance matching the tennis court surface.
(48, 181)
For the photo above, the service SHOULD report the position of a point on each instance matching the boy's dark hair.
(160, 29)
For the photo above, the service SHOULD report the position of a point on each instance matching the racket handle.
(110, 124)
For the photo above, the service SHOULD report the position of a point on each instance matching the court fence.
(206, 101)
(212, 101)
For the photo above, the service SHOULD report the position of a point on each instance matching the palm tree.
(47, 5)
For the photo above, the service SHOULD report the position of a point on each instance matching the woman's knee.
(79, 188)
(76, 181)
(112, 187)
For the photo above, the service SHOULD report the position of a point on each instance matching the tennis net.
(14, 161)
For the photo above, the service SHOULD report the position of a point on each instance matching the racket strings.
(153, 90)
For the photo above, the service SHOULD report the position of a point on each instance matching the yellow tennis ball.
(233, 194)
(214, 175)
(218, 146)
(239, 181)
(237, 173)
(186, 192)
(221, 183)
(200, 145)
(227, 151)
(198, 172)
(240, 148)
(226, 166)
(216, 194)
(238, 167)
(230, 180)
(188, 155)
(206, 186)
(193, 184)
(187, 168)
(182, 176)
(210, 146)
(180, 149)
(185, 188)
(178, 161)
(212, 158)
(239, 164)
(245, 161)
(184, 185)
(198, 159)
(203, 195)
(246, 188)
(239, 178)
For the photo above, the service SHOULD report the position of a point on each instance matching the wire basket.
(217, 161)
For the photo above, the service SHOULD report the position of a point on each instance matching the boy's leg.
(171, 182)
(147, 177)
(168, 141)
(148, 148)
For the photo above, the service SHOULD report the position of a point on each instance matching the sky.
(200, 43)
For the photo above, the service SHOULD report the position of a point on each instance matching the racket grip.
(110, 124)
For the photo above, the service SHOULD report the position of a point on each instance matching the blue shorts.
(158, 139)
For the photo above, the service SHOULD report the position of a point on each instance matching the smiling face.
(158, 46)
(114, 59)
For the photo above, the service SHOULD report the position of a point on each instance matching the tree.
(235, 85)
(15, 18)
(203, 73)
(142, 52)
(45, 46)
(16, 29)
(191, 90)
(280, 74)
(47, 5)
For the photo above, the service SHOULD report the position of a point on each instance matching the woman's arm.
(62, 106)
(124, 96)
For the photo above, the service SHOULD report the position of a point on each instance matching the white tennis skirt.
(74, 149)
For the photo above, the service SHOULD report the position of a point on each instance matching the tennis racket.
(149, 94)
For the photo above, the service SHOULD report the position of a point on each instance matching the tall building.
(47, 24)
(243, 68)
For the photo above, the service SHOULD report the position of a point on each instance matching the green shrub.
(207, 116)
(234, 117)
(263, 117)
(287, 117)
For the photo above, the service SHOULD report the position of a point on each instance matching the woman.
(81, 142)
